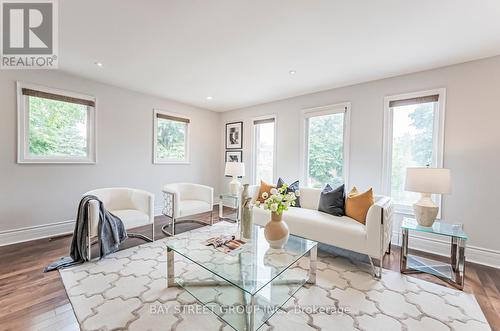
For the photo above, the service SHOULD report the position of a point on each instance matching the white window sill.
(50, 161)
(172, 162)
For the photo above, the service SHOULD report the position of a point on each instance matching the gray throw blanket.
(111, 233)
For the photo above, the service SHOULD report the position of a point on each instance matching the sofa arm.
(253, 191)
(144, 201)
(379, 226)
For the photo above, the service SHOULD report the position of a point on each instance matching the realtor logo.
(29, 34)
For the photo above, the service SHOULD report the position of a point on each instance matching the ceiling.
(240, 52)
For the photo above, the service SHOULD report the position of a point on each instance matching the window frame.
(437, 138)
(307, 113)
(254, 147)
(23, 156)
(186, 142)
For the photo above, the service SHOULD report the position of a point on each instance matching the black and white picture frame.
(234, 156)
(234, 135)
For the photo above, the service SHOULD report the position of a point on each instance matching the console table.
(452, 273)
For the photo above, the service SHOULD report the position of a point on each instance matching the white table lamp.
(235, 169)
(427, 181)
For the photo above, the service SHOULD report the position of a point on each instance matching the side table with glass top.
(452, 273)
(232, 201)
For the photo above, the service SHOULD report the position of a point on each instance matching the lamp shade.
(428, 180)
(235, 169)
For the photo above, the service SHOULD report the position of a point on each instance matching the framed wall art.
(234, 135)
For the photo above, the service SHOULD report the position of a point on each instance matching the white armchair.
(134, 207)
(186, 199)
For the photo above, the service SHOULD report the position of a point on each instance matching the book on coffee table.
(227, 244)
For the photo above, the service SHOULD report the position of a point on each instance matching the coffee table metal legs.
(313, 258)
(251, 311)
(170, 268)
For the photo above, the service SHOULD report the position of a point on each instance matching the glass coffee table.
(454, 272)
(246, 288)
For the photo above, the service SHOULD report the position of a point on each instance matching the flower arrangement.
(279, 200)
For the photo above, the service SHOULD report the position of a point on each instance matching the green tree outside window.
(171, 138)
(57, 128)
(326, 150)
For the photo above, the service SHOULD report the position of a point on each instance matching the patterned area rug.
(127, 291)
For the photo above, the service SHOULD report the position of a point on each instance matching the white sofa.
(186, 199)
(134, 207)
(372, 238)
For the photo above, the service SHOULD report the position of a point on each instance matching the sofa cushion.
(264, 187)
(332, 201)
(291, 188)
(343, 232)
(357, 204)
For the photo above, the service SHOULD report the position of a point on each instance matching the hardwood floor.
(33, 300)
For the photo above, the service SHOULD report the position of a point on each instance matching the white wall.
(472, 141)
(37, 195)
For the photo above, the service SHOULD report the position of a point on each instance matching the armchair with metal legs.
(186, 199)
(134, 207)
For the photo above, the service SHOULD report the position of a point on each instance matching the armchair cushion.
(134, 207)
(190, 199)
(193, 207)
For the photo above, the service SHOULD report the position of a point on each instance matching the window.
(326, 145)
(413, 138)
(55, 126)
(264, 150)
(171, 138)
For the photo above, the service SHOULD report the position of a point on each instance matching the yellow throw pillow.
(264, 187)
(357, 204)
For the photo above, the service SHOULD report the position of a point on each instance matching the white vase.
(276, 231)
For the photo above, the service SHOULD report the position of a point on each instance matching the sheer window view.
(412, 145)
(264, 152)
(57, 129)
(325, 147)
(171, 140)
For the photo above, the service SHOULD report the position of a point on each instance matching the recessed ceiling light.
(292, 72)
(209, 98)
(99, 64)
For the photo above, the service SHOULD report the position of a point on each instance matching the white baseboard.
(474, 254)
(36, 232)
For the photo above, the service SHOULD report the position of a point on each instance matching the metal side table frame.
(453, 273)
(236, 205)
